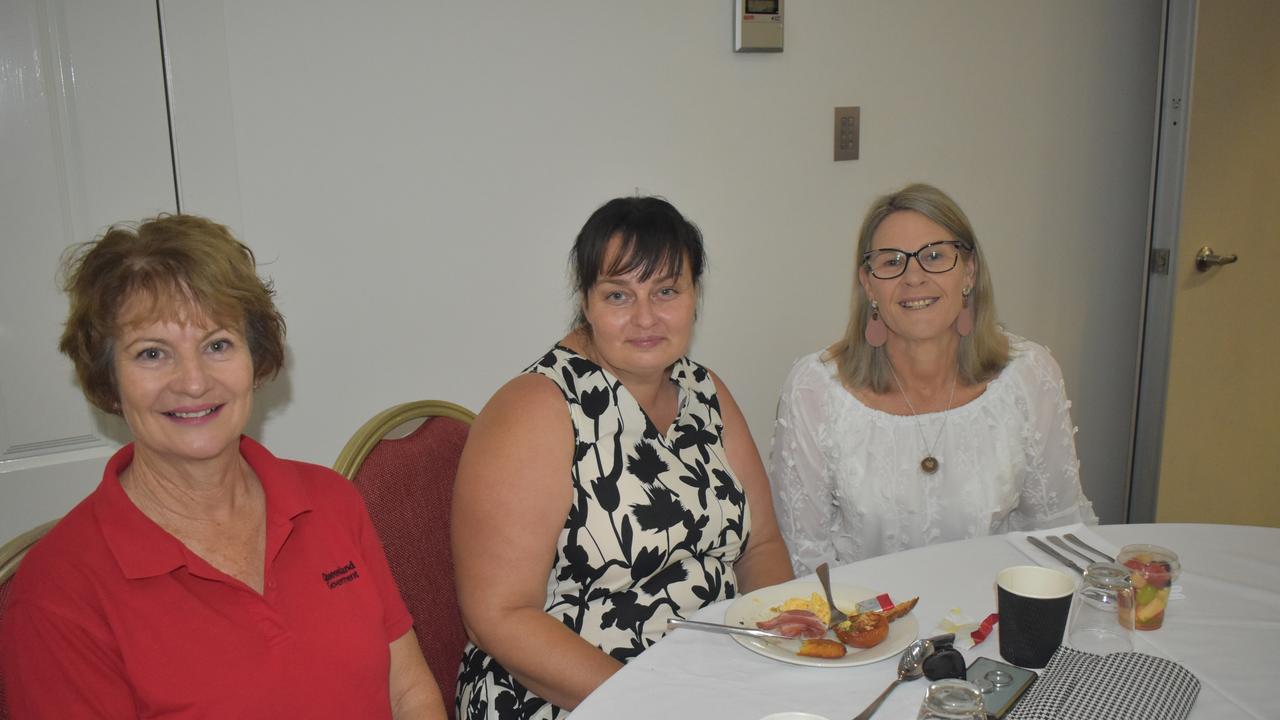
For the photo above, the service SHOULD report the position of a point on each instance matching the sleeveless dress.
(655, 526)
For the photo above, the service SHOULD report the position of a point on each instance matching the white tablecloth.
(1226, 630)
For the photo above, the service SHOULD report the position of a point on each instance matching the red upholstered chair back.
(4, 701)
(407, 484)
(10, 556)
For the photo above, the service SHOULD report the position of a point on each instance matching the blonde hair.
(982, 354)
(176, 265)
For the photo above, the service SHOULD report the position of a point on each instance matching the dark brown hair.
(655, 238)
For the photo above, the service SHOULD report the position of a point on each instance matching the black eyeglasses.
(936, 257)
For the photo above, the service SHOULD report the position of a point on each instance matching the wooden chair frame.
(376, 429)
(14, 550)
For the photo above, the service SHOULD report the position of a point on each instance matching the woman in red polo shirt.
(204, 577)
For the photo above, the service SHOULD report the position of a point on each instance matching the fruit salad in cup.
(1152, 570)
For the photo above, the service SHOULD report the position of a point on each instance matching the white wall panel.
(413, 174)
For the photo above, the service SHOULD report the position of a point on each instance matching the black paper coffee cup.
(1033, 603)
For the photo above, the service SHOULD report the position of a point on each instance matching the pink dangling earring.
(964, 322)
(876, 333)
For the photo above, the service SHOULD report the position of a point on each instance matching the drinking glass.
(1102, 612)
(952, 700)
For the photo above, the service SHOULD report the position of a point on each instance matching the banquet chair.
(403, 461)
(10, 556)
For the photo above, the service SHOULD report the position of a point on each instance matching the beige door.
(1220, 457)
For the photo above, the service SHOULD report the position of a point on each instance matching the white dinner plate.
(756, 606)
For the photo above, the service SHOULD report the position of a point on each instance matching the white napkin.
(1043, 559)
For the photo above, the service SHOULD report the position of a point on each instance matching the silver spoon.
(837, 615)
(910, 667)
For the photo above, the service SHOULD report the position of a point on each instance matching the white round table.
(1226, 630)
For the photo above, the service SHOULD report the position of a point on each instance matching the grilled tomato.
(863, 630)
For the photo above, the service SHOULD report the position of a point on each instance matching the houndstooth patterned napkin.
(1121, 686)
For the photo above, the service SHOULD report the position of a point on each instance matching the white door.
(84, 143)
(1219, 460)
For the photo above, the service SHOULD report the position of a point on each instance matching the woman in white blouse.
(926, 422)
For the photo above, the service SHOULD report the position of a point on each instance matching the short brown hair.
(176, 264)
(982, 355)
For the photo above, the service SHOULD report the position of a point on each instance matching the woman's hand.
(765, 561)
(510, 502)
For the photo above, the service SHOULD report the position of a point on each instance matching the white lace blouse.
(847, 481)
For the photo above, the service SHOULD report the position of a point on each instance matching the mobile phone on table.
(1001, 684)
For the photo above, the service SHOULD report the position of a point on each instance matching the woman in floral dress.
(612, 486)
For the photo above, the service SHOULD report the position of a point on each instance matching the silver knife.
(1087, 546)
(724, 629)
(1058, 542)
(1054, 554)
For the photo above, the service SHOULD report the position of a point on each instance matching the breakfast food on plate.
(795, 623)
(900, 609)
(805, 618)
(864, 630)
(822, 648)
(815, 604)
(868, 629)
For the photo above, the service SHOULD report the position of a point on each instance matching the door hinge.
(1159, 261)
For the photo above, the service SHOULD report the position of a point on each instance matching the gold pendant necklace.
(930, 463)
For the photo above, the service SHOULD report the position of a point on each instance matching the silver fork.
(824, 577)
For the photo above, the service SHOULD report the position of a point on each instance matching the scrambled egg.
(816, 604)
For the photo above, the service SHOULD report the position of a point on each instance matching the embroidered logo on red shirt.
(341, 575)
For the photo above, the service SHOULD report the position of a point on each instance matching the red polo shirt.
(112, 617)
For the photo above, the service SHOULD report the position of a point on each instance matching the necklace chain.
(930, 463)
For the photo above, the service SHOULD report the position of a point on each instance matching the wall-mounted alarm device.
(757, 25)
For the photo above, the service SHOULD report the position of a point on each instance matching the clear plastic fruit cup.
(1152, 570)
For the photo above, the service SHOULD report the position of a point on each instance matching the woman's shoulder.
(297, 484)
(695, 376)
(812, 371)
(566, 368)
(67, 562)
(1030, 363)
(528, 405)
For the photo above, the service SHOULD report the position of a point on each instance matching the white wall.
(413, 175)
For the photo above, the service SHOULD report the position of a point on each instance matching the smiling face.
(185, 384)
(638, 328)
(917, 305)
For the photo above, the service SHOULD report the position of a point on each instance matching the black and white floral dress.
(656, 524)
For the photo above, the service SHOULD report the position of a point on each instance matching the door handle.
(1207, 258)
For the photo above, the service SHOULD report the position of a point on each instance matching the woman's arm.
(802, 489)
(1051, 495)
(512, 497)
(765, 562)
(414, 695)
